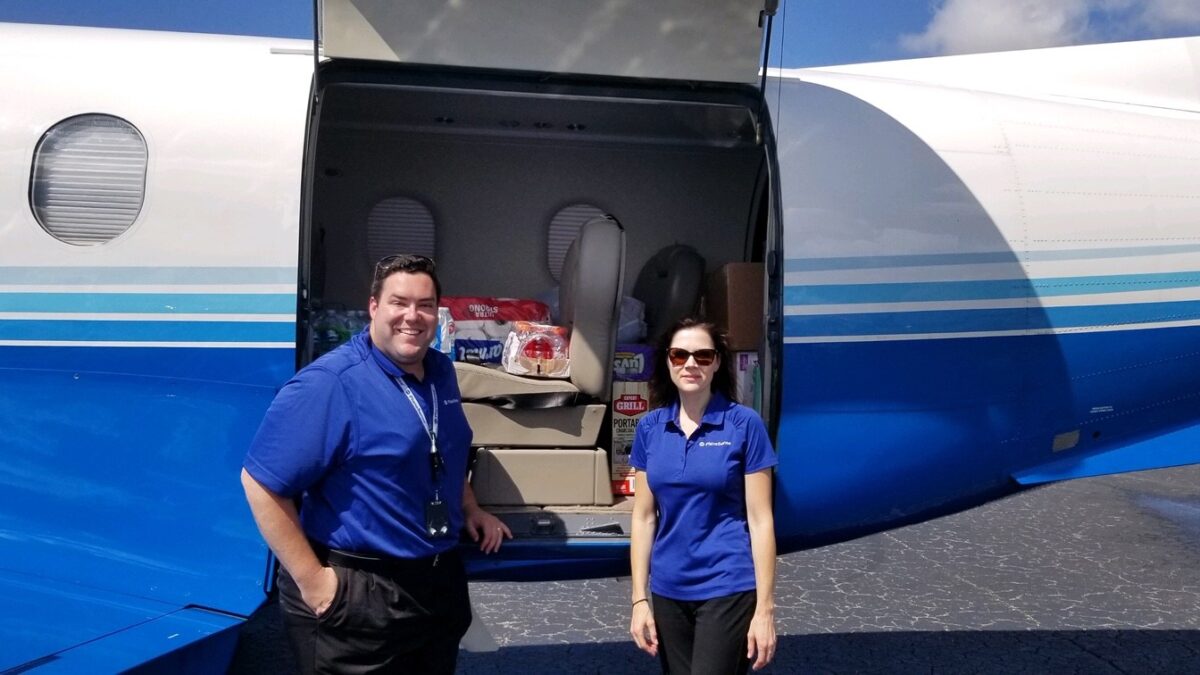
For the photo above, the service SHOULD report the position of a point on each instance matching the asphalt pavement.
(1093, 576)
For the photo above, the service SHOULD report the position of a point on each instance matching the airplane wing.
(1176, 448)
(50, 627)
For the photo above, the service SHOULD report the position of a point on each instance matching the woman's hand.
(641, 626)
(760, 639)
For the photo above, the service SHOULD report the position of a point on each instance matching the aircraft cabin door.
(699, 62)
(717, 41)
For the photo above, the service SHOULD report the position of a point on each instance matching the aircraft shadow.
(988, 651)
(872, 428)
(262, 648)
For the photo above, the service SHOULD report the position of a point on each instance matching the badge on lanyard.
(437, 519)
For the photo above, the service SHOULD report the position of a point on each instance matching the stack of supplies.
(482, 324)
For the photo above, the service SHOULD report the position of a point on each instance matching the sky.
(810, 32)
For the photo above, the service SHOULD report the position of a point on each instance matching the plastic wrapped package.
(446, 333)
(537, 350)
(632, 326)
(549, 298)
(482, 324)
(332, 326)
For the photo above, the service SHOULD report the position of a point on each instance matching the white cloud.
(965, 26)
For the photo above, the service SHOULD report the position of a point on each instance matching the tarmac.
(1099, 575)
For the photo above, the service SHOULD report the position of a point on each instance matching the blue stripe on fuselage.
(980, 257)
(984, 320)
(991, 289)
(150, 303)
(148, 331)
(269, 367)
(61, 275)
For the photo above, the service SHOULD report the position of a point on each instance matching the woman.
(703, 530)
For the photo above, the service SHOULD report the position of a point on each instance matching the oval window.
(399, 225)
(89, 179)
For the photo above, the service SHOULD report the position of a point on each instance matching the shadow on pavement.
(1099, 651)
(262, 649)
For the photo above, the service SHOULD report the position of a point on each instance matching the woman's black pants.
(704, 636)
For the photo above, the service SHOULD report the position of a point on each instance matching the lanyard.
(435, 457)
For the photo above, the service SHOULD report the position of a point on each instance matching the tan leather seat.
(589, 302)
(490, 383)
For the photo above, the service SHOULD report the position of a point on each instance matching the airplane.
(980, 273)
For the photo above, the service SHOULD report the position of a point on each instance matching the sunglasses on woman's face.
(704, 357)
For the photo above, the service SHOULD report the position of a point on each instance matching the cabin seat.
(669, 285)
(507, 410)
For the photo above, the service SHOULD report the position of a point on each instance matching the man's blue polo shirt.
(702, 546)
(343, 436)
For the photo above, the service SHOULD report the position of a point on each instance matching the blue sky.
(812, 32)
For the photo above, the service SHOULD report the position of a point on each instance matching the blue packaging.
(633, 363)
(478, 351)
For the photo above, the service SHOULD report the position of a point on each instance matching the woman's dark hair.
(662, 390)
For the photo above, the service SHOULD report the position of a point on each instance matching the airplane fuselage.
(980, 273)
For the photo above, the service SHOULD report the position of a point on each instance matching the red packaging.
(470, 308)
(537, 350)
(483, 324)
(630, 403)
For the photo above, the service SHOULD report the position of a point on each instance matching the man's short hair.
(407, 263)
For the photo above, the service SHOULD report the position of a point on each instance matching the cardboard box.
(573, 426)
(541, 477)
(734, 301)
(630, 403)
(747, 377)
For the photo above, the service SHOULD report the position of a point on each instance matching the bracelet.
(635, 602)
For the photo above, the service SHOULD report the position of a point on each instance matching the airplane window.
(89, 179)
(399, 225)
(564, 227)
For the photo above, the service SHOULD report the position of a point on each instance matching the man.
(372, 440)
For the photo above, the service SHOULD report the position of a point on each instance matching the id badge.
(437, 519)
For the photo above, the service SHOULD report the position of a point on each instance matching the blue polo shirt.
(343, 437)
(702, 546)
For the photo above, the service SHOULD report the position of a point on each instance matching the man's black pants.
(406, 620)
(704, 636)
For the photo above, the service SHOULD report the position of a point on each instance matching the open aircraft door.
(710, 41)
(651, 80)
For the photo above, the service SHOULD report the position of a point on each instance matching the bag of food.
(537, 350)
(482, 324)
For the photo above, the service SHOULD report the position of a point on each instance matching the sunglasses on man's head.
(410, 258)
(704, 357)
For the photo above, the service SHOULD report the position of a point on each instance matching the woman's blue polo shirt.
(702, 546)
(343, 436)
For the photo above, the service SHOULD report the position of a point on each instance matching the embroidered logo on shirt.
(451, 401)
(709, 444)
